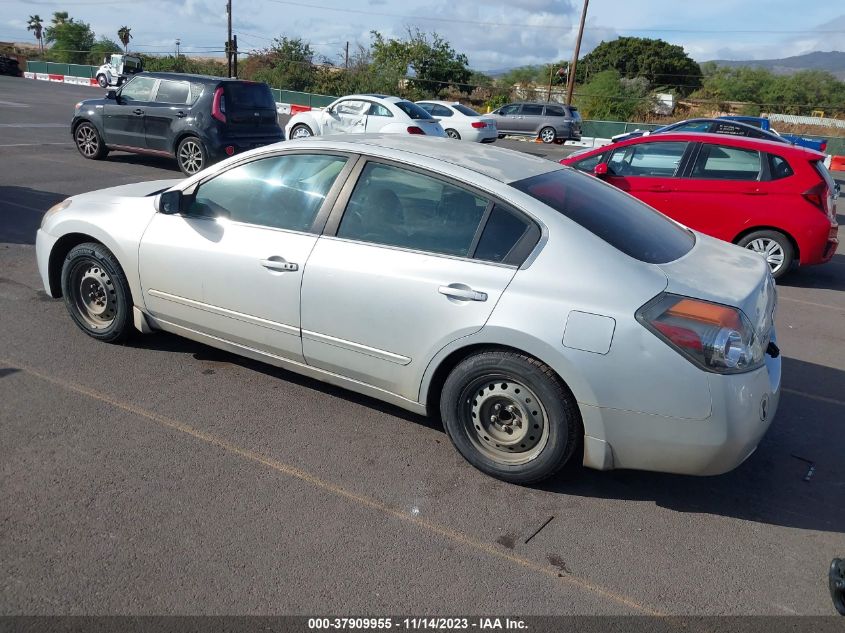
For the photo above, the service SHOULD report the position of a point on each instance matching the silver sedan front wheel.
(301, 131)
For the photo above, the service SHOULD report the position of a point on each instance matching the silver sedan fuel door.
(402, 276)
(229, 263)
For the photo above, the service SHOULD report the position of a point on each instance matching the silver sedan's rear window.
(619, 219)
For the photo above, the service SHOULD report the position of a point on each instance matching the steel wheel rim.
(547, 135)
(93, 294)
(86, 140)
(504, 420)
(300, 132)
(102, 81)
(190, 157)
(770, 250)
(453, 134)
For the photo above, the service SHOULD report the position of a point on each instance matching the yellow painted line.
(336, 490)
(811, 396)
(812, 303)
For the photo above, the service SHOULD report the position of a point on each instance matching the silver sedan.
(540, 313)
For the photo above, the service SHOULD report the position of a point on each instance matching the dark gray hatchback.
(548, 121)
(195, 119)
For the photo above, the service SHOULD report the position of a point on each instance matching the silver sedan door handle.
(460, 291)
(277, 263)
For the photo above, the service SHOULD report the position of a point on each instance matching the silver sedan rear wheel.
(301, 131)
(453, 134)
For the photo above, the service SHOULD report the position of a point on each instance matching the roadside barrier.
(62, 79)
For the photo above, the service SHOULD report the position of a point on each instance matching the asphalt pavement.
(165, 477)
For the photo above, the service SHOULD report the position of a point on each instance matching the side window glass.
(283, 192)
(501, 233)
(555, 111)
(428, 107)
(720, 162)
(588, 164)
(693, 126)
(531, 110)
(352, 108)
(138, 89)
(376, 109)
(647, 159)
(779, 168)
(172, 92)
(439, 110)
(509, 110)
(398, 207)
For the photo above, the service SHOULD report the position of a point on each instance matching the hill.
(831, 61)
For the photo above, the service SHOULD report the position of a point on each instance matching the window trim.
(325, 208)
(516, 257)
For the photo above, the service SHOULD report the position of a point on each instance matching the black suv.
(196, 119)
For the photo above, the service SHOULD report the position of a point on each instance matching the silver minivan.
(549, 121)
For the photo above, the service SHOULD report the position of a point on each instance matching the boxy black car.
(195, 119)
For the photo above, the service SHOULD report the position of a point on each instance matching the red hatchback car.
(773, 198)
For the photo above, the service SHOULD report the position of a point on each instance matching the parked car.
(712, 126)
(117, 69)
(9, 66)
(359, 114)
(428, 274)
(548, 121)
(819, 145)
(195, 119)
(461, 122)
(773, 198)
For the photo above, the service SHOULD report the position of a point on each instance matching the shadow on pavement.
(21, 209)
(770, 487)
(142, 159)
(829, 276)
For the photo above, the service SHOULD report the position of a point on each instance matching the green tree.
(36, 25)
(124, 34)
(663, 65)
(71, 40)
(102, 48)
(430, 58)
(610, 97)
(287, 64)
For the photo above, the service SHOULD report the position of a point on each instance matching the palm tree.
(59, 18)
(36, 25)
(124, 34)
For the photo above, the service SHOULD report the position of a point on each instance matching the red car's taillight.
(817, 196)
(823, 146)
(413, 129)
(478, 125)
(716, 337)
(218, 105)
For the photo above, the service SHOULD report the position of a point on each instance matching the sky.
(494, 34)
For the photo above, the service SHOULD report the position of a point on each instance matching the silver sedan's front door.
(231, 265)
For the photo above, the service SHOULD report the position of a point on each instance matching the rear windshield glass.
(249, 96)
(465, 110)
(573, 112)
(412, 110)
(619, 219)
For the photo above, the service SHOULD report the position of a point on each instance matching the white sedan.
(357, 114)
(461, 122)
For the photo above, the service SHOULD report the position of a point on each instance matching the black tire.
(501, 136)
(548, 135)
(88, 141)
(300, 131)
(479, 385)
(191, 155)
(453, 134)
(102, 81)
(96, 293)
(775, 246)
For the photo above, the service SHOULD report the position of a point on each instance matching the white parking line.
(12, 104)
(812, 303)
(27, 125)
(34, 144)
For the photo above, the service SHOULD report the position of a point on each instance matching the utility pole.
(178, 41)
(549, 93)
(235, 55)
(570, 83)
(229, 36)
(346, 63)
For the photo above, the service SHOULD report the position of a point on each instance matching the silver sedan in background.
(541, 313)
(461, 122)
